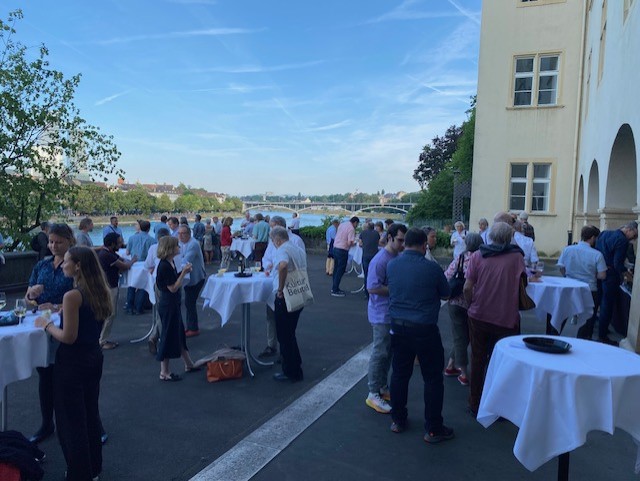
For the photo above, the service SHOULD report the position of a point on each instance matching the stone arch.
(621, 191)
(580, 203)
(593, 189)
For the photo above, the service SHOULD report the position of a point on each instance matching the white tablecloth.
(355, 253)
(224, 294)
(562, 298)
(244, 246)
(140, 278)
(556, 399)
(22, 348)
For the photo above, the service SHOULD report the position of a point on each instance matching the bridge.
(349, 207)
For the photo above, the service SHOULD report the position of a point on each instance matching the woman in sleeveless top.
(78, 366)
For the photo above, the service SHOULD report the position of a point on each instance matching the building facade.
(526, 134)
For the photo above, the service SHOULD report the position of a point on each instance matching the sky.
(253, 96)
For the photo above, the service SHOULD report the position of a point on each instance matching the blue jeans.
(136, 299)
(380, 360)
(341, 256)
(407, 342)
(610, 290)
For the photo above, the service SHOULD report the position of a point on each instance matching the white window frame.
(534, 204)
(518, 180)
(535, 76)
(546, 199)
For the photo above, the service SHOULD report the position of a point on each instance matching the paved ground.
(172, 431)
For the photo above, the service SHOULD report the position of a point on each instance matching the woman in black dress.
(173, 342)
(78, 366)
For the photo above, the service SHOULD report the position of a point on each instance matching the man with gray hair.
(287, 258)
(527, 229)
(191, 253)
(613, 244)
(268, 265)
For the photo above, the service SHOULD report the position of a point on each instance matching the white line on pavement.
(254, 452)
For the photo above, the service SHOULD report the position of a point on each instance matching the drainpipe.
(576, 146)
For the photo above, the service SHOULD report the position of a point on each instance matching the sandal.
(108, 345)
(171, 377)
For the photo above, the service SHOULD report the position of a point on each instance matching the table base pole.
(563, 467)
(153, 324)
(3, 421)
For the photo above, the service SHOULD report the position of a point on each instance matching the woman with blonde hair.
(78, 366)
(457, 239)
(225, 242)
(173, 342)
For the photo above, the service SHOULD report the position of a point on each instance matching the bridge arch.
(271, 206)
(386, 207)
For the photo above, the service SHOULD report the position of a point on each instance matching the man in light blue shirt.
(160, 225)
(138, 247)
(261, 235)
(585, 263)
(330, 236)
(112, 228)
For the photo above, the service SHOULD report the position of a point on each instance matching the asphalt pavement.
(174, 431)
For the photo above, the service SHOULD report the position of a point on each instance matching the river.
(306, 219)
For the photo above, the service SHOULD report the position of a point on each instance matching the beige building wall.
(509, 134)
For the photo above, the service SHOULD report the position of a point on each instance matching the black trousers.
(286, 324)
(77, 374)
(45, 390)
(191, 294)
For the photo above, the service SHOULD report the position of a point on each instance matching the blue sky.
(254, 96)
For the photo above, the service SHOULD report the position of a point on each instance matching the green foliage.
(313, 232)
(437, 201)
(188, 202)
(43, 140)
(435, 157)
(164, 204)
(443, 239)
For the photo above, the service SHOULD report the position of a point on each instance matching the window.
(536, 75)
(588, 85)
(530, 186)
(540, 189)
(603, 40)
(518, 194)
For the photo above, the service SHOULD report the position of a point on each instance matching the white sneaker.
(374, 401)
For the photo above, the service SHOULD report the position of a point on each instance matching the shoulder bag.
(297, 291)
(525, 303)
(456, 283)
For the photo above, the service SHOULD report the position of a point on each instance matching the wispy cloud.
(209, 32)
(237, 88)
(474, 17)
(259, 68)
(405, 11)
(323, 128)
(110, 98)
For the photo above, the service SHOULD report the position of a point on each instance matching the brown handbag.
(222, 369)
(525, 303)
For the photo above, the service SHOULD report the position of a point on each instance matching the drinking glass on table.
(258, 266)
(21, 309)
(540, 267)
(3, 300)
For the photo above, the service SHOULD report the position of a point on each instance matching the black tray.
(243, 274)
(547, 344)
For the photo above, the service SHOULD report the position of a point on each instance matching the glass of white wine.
(3, 300)
(21, 309)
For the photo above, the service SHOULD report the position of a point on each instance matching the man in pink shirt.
(491, 290)
(345, 238)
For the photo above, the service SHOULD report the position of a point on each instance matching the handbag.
(225, 363)
(525, 303)
(223, 369)
(297, 291)
(456, 283)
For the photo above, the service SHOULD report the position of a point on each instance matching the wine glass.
(258, 266)
(3, 300)
(21, 309)
(540, 267)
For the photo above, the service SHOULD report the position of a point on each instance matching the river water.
(306, 219)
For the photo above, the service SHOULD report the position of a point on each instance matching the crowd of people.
(405, 286)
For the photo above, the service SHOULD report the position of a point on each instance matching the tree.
(437, 201)
(43, 140)
(139, 200)
(164, 204)
(188, 203)
(433, 158)
(90, 199)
